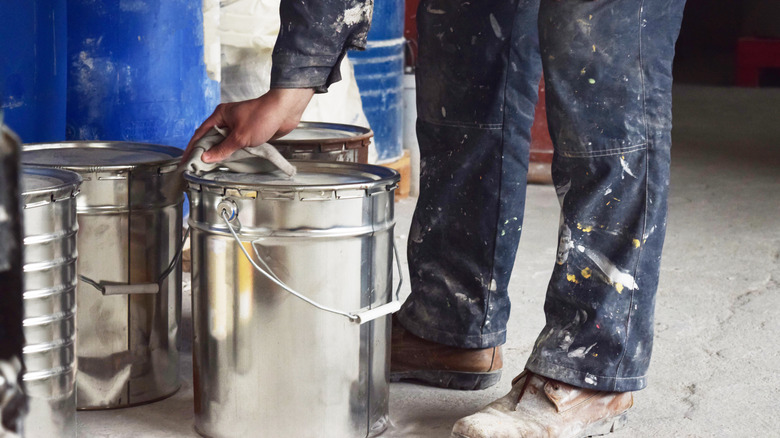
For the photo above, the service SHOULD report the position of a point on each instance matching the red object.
(541, 143)
(753, 55)
(410, 31)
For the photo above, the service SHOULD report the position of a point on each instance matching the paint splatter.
(625, 167)
(586, 273)
(496, 26)
(636, 243)
(614, 275)
(572, 278)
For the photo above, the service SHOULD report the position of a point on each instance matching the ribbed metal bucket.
(129, 291)
(50, 226)
(268, 363)
(12, 398)
(326, 142)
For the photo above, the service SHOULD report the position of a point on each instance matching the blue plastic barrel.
(32, 68)
(136, 71)
(379, 74)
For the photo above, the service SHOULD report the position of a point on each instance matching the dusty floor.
(716, 367)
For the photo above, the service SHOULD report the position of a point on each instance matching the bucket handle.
(137, 288)
(359, 317)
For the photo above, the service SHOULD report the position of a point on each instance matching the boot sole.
(449, 379)
(604, 427)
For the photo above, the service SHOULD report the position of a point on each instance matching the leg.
(477, 85)
(607, 66)
(608, 70)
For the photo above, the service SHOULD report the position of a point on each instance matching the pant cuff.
(485, 340)
(582, 379)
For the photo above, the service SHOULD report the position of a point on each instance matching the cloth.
(243, 160)
(607, 68)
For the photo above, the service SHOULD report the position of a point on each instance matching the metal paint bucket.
(50, 226)
(269, 360)
(12, 397)
(129, 291)
(326, 142)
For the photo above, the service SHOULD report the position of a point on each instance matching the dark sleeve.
(313, 39)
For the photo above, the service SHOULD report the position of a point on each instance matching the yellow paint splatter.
(590, 17)
(636, 243)
(594, 48)
(586, 272)
(595, 355)
(619, 287)
(587, 229)
(572, 278)
(582, 72)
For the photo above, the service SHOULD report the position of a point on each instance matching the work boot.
(415, 359)
(544, 408)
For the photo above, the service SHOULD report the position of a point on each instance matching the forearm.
(314, 38)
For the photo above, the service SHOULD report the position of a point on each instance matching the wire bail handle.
(359, 316)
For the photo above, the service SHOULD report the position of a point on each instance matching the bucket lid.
(325, 137)
(42, 185)
(99, 155)
(324, 177)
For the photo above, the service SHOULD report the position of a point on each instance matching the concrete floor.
(716, 367)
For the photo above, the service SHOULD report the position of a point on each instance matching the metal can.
(12, 398)
(326, 142)
(274, 259)
(129, 290)
(50, 229)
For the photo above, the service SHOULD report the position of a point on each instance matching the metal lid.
(41, 185)
(324, 177)
(99, 155)
(325, 137)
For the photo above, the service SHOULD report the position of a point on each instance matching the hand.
(253, 122)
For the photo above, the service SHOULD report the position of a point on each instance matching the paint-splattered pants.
(607, 67)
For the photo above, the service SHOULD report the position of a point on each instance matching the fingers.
(215, 119)
(223, 150)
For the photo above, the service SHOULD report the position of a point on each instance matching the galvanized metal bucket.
(326, 142)
(129, 291)
(291, 288)
(50, 226)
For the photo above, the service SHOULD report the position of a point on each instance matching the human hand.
(252, 122)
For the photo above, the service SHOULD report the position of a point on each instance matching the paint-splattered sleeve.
(313, 39)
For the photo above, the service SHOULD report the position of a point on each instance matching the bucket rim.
(173, 152)
(385, 178)
(361, 137)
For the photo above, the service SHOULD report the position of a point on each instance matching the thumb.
(222, 150)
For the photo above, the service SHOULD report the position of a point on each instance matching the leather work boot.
(544, 408)
(415, 359)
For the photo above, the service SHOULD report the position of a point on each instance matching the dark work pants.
(607, 68)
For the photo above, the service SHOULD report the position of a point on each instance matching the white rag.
(243, 160)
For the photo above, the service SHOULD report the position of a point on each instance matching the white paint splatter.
(444, 112)
(564, 245)
(626, 169)
(493, 285)
(590, 379)
(354, 15)
(496, 27)
(609, 269)
(608, 191)
(580, 352)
